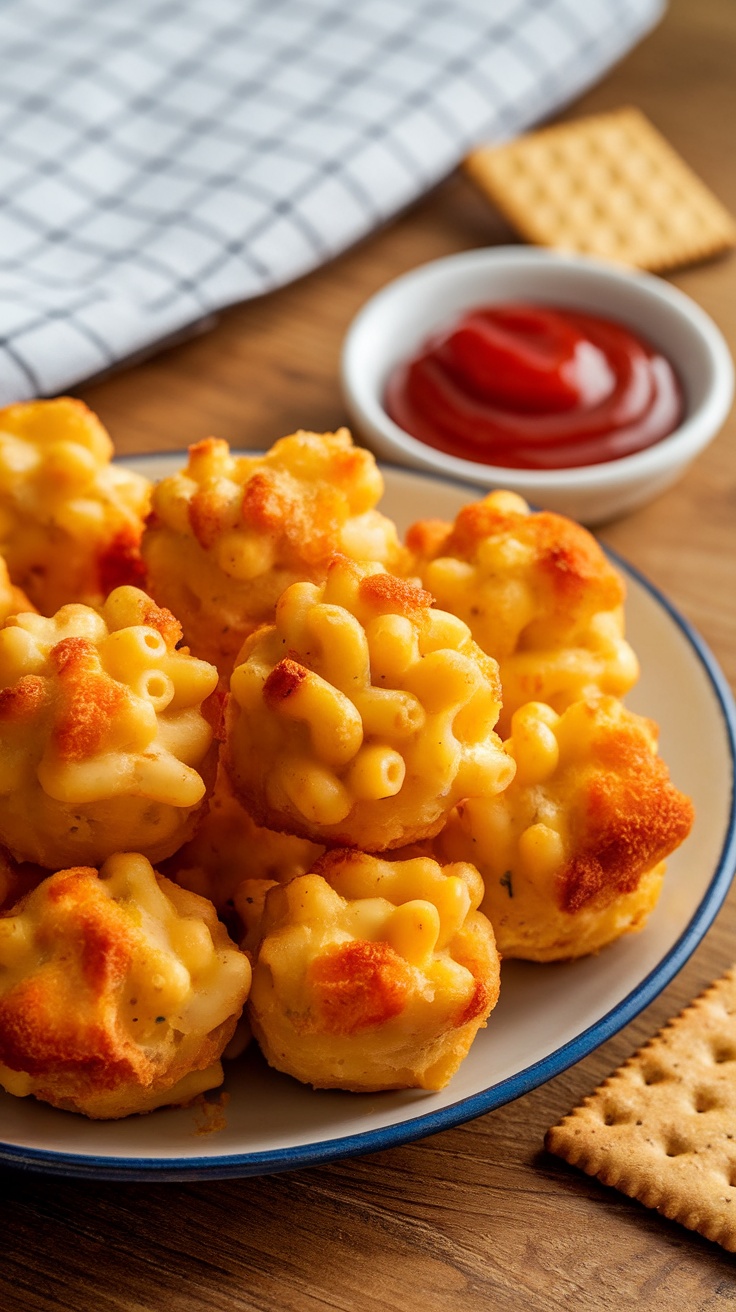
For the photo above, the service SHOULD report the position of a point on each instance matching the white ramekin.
(397, 320)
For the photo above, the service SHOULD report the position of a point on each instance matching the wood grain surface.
(477, 1217)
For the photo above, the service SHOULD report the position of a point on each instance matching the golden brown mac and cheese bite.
(118, 991)
(572, 855)
(362, 715)
(106, 733)
(70, 520)
(373, 974)
(537, 593)
(228, 533)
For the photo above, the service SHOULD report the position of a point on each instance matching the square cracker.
(662, 1128)
(609, 185)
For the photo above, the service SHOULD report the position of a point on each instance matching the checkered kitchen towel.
(160, 159)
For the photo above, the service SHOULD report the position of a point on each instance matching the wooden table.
(477, 1217)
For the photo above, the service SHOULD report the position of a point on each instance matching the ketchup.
(536, 387)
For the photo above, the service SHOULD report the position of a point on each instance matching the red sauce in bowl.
(536, 387)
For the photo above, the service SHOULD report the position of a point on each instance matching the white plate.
(548, 1016)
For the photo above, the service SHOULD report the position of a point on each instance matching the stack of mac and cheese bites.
(363, 768)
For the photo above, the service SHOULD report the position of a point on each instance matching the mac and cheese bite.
(363, 714)
(572, 854)
(106, 733)
(229, 532)
(372, 974)
(538, 594)
(70, 519)
(118, 991)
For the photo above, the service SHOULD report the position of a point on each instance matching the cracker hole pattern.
(723, 1050)
(652, 1073)
(614, 1114)
(676, 1145)
(706, 1100)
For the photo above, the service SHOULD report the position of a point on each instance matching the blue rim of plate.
(392, 1136)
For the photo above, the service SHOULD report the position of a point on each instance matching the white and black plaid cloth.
(160, 159)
